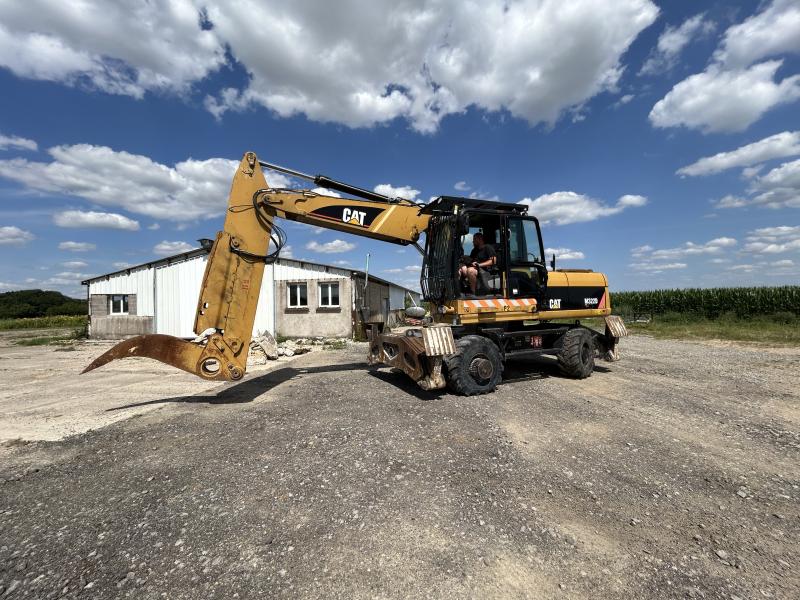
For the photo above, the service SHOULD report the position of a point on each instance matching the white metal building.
(298, 298)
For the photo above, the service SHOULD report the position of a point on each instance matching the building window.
(118, 305)
(298, 295)
(329, 295)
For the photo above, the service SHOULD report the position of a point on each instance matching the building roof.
(197, 252)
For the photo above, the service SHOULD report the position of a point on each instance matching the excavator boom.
(231, 285)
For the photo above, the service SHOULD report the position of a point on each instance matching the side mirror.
(553, 263)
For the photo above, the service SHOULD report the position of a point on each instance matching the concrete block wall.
(314, 320)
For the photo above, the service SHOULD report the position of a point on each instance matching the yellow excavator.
(517, 307)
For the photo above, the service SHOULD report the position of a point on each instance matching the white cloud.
(714, 246)
(779, 145)
(326, 192)
(192, 189)
(778, 188)
(77, 246)
(564, 253)
(641, 250)
(461, 186)
(99, 220)
(334, 247)
(406, 269)
(773, 240)
(18, 143)
(774, 31)
(672, 41)
(120, 48)
(166, 248)
(624, 100)
(286, 251)
(74, 264)
(563, 208)
(735, 90)
(121, 265)
(10, 235)
(655, 268)
(7, 287)
(533, 58)
(719, 100)
(154, 227)
(404, 191)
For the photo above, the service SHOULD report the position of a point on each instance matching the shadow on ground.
(249, 389)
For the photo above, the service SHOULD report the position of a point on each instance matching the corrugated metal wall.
(289, 272)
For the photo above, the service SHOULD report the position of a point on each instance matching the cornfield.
(710, 302)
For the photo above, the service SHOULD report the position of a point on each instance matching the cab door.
(526, 271)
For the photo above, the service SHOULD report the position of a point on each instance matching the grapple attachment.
(228, 299)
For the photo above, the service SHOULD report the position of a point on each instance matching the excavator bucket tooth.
(172, 351)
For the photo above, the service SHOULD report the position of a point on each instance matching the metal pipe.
(286, 170)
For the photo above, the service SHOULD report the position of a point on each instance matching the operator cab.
(519, 270)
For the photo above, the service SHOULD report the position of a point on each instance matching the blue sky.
(118, 127)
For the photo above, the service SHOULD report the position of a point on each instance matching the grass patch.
(63, 321)
(63, 340)
(781, 328)
(336, 345)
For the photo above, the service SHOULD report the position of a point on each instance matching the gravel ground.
(673, 473)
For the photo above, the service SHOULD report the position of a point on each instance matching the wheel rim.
(586, 354)
(481, 369)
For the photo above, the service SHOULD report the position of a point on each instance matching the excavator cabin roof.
(447, 204)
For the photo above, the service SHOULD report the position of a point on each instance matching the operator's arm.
(491, 260)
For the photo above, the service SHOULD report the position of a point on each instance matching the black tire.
(576, 357)
(476, 369)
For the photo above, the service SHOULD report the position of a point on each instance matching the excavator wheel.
(576, 357)
(476, 368)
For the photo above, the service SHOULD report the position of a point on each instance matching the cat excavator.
(519, 308)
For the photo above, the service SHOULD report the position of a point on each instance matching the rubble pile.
(264, 348)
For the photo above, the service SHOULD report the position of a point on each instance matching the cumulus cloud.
(461, 186)
(17, 143)
(564, 253)
(714, 246)
(11, 235)
(91, 219)
(334, 247)
(404, 191)
(778, 188)
(406, 269)
(534, 58)
(780, 145)
(649, 260)
(735, 90)
(326, 192)
(74, 264)
(774, 31)
(773, 240)
(192, 189)
(77, 246)
(166, 248)
(117, 47)
(672, 41)
(721, 100)
(564, 208)
(654, 268)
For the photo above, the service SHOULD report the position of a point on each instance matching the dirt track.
(673, 473)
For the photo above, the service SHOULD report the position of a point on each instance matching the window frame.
(289, 300)
(329, 285)
(124, 300)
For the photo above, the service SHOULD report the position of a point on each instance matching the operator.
(481, 258)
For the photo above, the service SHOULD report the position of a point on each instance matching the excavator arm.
(232, 281)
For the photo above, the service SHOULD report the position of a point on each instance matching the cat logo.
(555, 303)
(351, 216)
